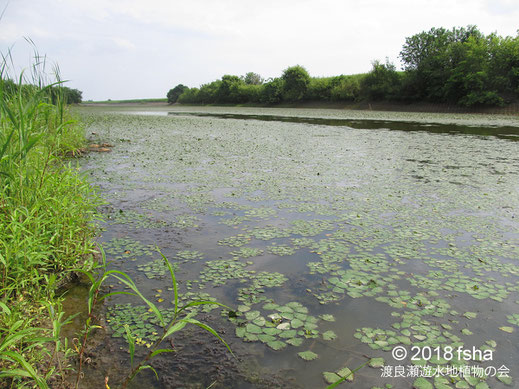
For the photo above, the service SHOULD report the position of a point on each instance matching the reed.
(46, 212)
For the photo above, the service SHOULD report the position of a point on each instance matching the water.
(398, 223)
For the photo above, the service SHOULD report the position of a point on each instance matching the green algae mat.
(337, 238)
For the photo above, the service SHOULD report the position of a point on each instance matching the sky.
(124, 49)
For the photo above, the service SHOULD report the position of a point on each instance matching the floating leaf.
(331, 378)
(286, 334)
(253, 328)
(327, 317)
(422, 383)
(240, 332)
(376, 362)
(329, 335)
(276, 345)
(308, 355)
(295, 341)
(346, 372)
(507, 380)
(252, 315)
(271, 331)
(296, 323)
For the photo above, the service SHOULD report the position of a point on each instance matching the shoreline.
(420, 107)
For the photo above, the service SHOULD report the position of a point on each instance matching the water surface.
(354, 232)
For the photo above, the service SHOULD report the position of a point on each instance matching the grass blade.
(173, 281)
(336, 383)
(131, 343)
(160, 351)
(209, 329)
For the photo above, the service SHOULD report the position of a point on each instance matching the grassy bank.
(46, 210)
(130, 101)
(509, 109)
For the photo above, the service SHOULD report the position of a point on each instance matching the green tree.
(272, 92)
(346, 88)
(229, 90)
(470, 82)
(252, 78)
(189, 96)
(319, 89)
(208, 93)
(504, 65)
(175, 93)
(430, 58)
(381, 83)
(249, 93)
(73, 96)
(295, 83)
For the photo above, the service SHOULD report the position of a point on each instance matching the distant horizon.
(121, 49)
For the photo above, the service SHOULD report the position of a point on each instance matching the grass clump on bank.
(46, 210)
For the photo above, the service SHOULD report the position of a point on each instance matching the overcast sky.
(121, 49)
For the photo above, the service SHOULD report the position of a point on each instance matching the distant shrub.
(189, 96)
(229, 90)
(348, 89)
(250, 93)
(381, 83)
(272, 92)
(175, 93)
(295, 83)
(319, 89)
(208, 93)
(252, 78)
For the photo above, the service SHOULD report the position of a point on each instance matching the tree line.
(54, 93)
(457, 66)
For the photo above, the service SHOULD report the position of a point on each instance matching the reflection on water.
(511, 133)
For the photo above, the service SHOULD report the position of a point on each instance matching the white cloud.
(136, 48)
(123, 43)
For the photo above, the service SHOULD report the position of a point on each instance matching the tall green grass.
(46, 211)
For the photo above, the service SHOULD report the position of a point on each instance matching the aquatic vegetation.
(189, 255)
(185, 221)
(307, 355)
(235, 241)
(144, 324)
(333, 377)
(281, 250)
(376, 362)
(218, 272)
(260, 281)
(514, 319)
(287, 324)
(299, 243)
(246, 252)
(402, 212)
(310, 228)
(155, 269)
(135, 220)
(137, 322)
(261, 213)
(125, 248)
(329, 335)
(269, 232)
